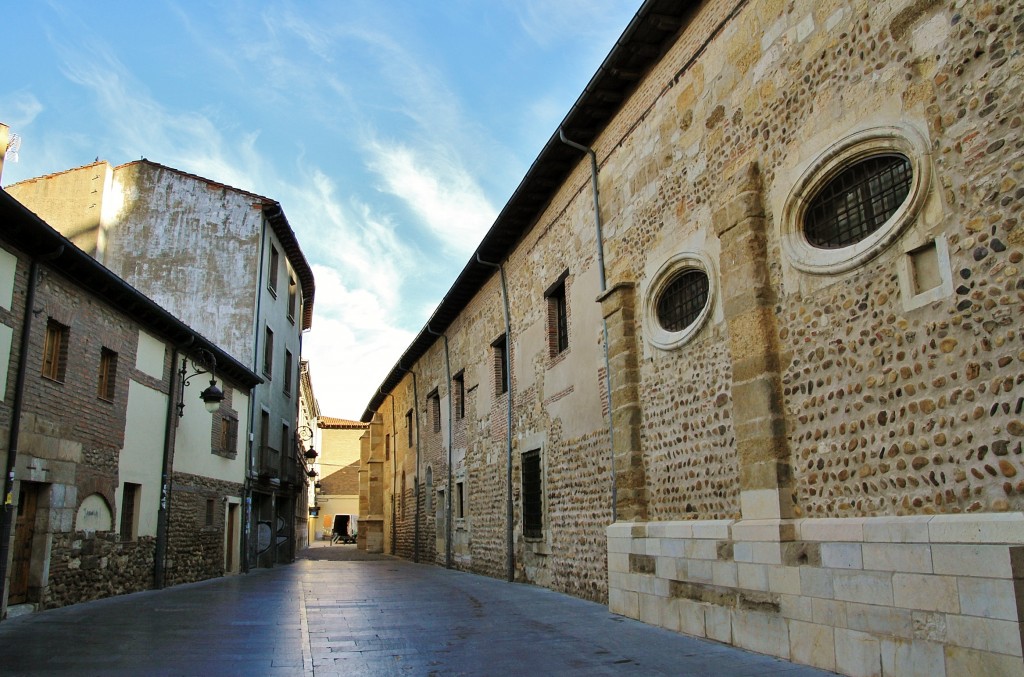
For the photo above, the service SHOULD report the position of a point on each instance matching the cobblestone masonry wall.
(195, 550)
(88, 566)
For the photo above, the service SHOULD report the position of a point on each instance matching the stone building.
(227, 262)
(338, 465)
(742, 355)
(97, 424)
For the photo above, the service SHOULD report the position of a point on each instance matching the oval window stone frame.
(856, 147)
(657, 335)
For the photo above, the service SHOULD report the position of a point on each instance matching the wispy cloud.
(449, 203)
(19, 109)
(549, 22)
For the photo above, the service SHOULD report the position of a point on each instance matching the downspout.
(394, 468)
(248, 515)
(604, 287)
(14, 433)
(163, 519)
(448, 508)
(510, 562)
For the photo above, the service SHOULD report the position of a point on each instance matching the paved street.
(340, 612)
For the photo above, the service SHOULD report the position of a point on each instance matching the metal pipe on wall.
(510, 572)
(604, 287)
(448, 507)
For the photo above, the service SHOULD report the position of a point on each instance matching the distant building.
(764, 386)
(227, 262)
(97, 427)
(338, 465)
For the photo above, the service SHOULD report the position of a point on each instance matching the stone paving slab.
(341, 612)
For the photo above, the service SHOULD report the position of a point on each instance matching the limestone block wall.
(935, 595)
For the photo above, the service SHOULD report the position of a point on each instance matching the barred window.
(533, 502)
(858, 201)
(683, 299)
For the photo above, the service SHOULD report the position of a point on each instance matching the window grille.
(683, 299)
(858, 201)
(533, 504)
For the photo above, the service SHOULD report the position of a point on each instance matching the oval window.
(858, 201)
(682, 300)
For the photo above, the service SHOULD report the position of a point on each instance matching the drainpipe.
(510, 562)
(394, 468)
(604, 287)
(14, 434)
(448, 511)
(163, 518)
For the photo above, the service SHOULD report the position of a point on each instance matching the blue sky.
(392, 132)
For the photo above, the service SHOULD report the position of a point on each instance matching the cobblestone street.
(338, 611)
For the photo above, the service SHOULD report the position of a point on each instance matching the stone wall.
(195, 549)
(87, 566)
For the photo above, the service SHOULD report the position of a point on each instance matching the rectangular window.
(286, 443)
(275, 263)
(434, 410)
(293, 299)
(459, 393)
(130, 511)
(108, 375)
(387, 447)
(228, 434)
(408, 425)
(210, 508)
(500, 366)
(55, 350)
(287, 372)
(268, 353)
(460, 500)
(270, 461)
(533, 504)
(558, 319)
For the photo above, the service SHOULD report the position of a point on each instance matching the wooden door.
(24, 533)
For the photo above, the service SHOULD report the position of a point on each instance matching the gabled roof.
(25, 231)
(648, 36)
(330, 423)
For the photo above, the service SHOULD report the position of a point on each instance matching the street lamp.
(204, 363)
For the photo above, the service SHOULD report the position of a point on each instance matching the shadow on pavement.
(341, 552)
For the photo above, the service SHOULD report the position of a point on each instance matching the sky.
(392, 132)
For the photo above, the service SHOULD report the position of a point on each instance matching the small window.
(434, 410)
(55, 350)
(858, 201)
(105, 387)
(533, 503)
(275, 263)
(460, 500)
(500, 366)
(286, 442)
(130, 511)
(429, 492)
(268, 353)
(287, 372)
(459, 393)
(387, 447)
(558, 319)
(408, 426)
(211, 507)
(293, 299)
(228, 434)
(679, 300)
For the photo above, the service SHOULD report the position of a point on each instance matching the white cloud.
(450, 203)
(549, 22)
(19, 109)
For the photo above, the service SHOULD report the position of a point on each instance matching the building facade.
(741, 356)
(338, 467)
(118, 478)
(227, 262)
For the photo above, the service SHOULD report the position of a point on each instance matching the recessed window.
(460, 500)
(275, 264)
(387, 447)
(558, 319)
(408, 426)
(228, 441)
(500, 366)
(434, 410)
(855, 199)
(106, 383)
(858, 201)
(533, 502)
(682, 300)
(679, 300)
(293, 299)
(459, 393)
(287, 372)
(268, 353)
(55, 350)
(210, 511)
